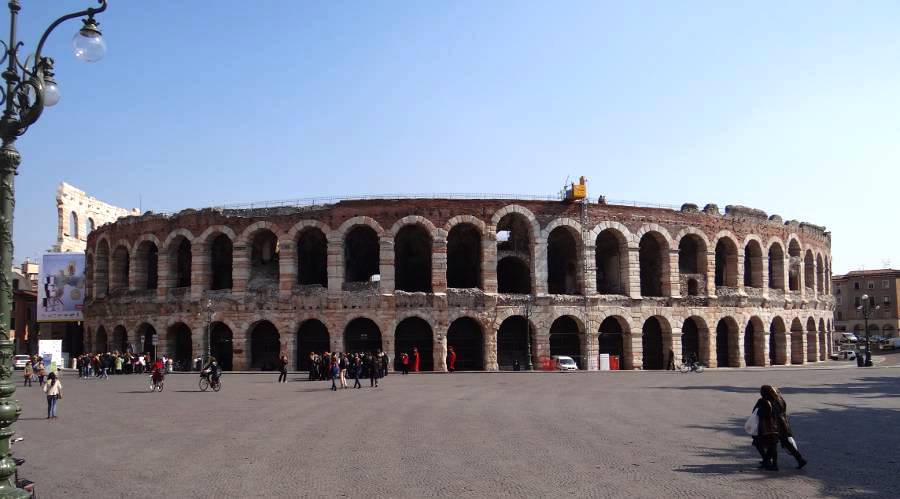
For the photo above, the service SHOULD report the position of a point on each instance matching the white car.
(564, 363)
(20, 360)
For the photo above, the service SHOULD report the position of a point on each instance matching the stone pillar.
(740, 272)
(674, 279)
(336, 341)
(287, 268)
(633, 347)
(199, 342)
(289, 348)
(591, 348)
(798, 342)
(713, 347)
(765, 277)
(787, 349)
(634, 273)
(164, 274)
(101, 278)
(741, 352)
(541, 346)
(241, 268)
(240, 360)
(490, 351)
(812, 347)
(388, 347)
(335, 265)
(675, 346)
(489, 260)
(765, 349)
(539, 267)
(711, 278)
(439, 264)
(589, 280)
(386, 264)
(200, 270)
(439, 348)
(137, 269)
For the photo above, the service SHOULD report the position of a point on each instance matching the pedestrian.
(766, 438)
(415, 360)
(451, 359)
(169, 363)
(384, 363)
(373, 370)
(53, 389)
(334, 372)
(282, 369)
(785, 434)
(671, 365)
(28, 372)
(343, 364)
(42, 371)
(312, 366)
(516, 365)
(404, 363)
(357, 367)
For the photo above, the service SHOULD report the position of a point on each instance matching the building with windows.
(78, 215)
(882, 288)
(499, 280)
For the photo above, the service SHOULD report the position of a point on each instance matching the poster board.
(51, 352)
(61, 288)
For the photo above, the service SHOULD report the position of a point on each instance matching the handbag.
(751, 426)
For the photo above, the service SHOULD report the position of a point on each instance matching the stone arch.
(73, 226)
(812, 341)
(311, 240)
(521, 210)
(566, 334)
(119, 341)
(465, 219)
(727, 343)
(516, 241)
(693, 247)
(179, 345)
(353, 222)
(312, 337)
(753, 262)
(795, 257)
(726, 249)
(809, 270)
(146, 262)
(611, 257)
(101, 341)
(265, 345)
(778, 342)
(413, 250)
(252, 230)
(414, 335)
(146, 334)
(414, 220)
(362, 335)
(179, 251)
(797, 350)
(820, 274)
(823, 344)
(220, 245)
(614, 338)
(656, 340)
(362, 251)
(101, 268)
(120, 266)
(464, 252)
(514, 337)
(263, 254)
(221, 337)
(653, 250)
(465, 336)
(564, 257)
(776, 263)
(755, 343)
(695, 339)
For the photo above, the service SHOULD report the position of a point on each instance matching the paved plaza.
(598, 434)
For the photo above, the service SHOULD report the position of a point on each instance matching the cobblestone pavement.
(600, 434)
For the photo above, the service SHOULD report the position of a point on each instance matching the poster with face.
(61, 288)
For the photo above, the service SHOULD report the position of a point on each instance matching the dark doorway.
(513, 276)
(146, 339)
(562, 262)
(611, 263)
(611, 339)
(265, 346)
(119, 339)
(182, 263)
(361, 336)
(652, 254)
(73, 340)
(180, 347)
(361, 254)
(652, 342)
(220, 257)
(312, 259)
(464, 257)
(312, 336)
(565, 339)
(412, 254)
(512, 342)
(466, 338)
(221, 345)
(723, 343)
(264, 256)
(414, 332)
(690, 340)
(750, 345)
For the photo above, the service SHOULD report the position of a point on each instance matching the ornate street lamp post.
(529, 305)
(29, 88)
(866, 310)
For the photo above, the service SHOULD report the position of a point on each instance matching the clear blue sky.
(790, 107)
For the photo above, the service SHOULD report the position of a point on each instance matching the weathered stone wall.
(800, 321)
(87, 209)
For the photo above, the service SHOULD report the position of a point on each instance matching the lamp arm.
(87, 12)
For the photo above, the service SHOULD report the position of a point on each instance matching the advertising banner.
(51, 353)
(61, 288)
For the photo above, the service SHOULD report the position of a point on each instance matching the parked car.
(846, 355)
(564, 363)
(890, 343)
(19, 361)
(848, 338)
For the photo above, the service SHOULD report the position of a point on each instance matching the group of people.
(339, 367)
(34, 368)
(772, 427)
(101, 365)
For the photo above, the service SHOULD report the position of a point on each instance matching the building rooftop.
(868, 273)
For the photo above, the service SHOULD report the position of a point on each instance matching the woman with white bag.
(763, 426)
(785, 434)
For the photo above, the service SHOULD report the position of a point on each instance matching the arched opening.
(611, 258)
(809, 271)
(654, 266)
(119, 340)
(754, 343)
(312, 259)
(727, 353)
(90, 226)
(147, 340)
(467, 340)
(221, 345)
(563, 266)
(693, 287)
(812, 343)
(180, 346)
(361, 254)
(513, 276)
(101, 269)
(362, 336)
(797, 352)
(776, 267)
(823, 347)
(794, 265)
(100, 341)
(221, 263)
(753, 261)
(180, 262)
(265, 346)
(412, 259)
(514, 254)
(73, 225)
(72, 341)
(690, 340)
(726, 263)
(120, 268)
(512, 342)
(692, 263)
(611, 338)
(565, 339)
(414, 333)
(652, 343)
(777, 342)
(146, 265)
(464, 256)
(820, 274)
(264, 253)
(312, 337)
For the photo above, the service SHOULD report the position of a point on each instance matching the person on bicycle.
(211, 369)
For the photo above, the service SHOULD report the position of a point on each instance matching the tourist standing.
(384, 363)
(42, 371)
(415, 359)
(404, 363)
(343, 365)
(282, 363)
(333, 370)
(312, 366)
(53, 389)
(357, 367)
(766, 436)
(373, 370)
(28, 372)
(451, 359)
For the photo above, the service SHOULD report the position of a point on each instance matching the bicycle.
(207, 382)
(157, 381)
(693, 366)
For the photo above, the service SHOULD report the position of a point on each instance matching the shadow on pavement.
(874, 387)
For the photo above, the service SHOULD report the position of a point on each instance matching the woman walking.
(282, 368)
(451, 360)
(42, 371)
(766, 438)
(53, 389)
(334, 370)
(28, 372)
(785, 434)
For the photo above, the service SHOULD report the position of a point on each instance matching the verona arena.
(496, 279)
